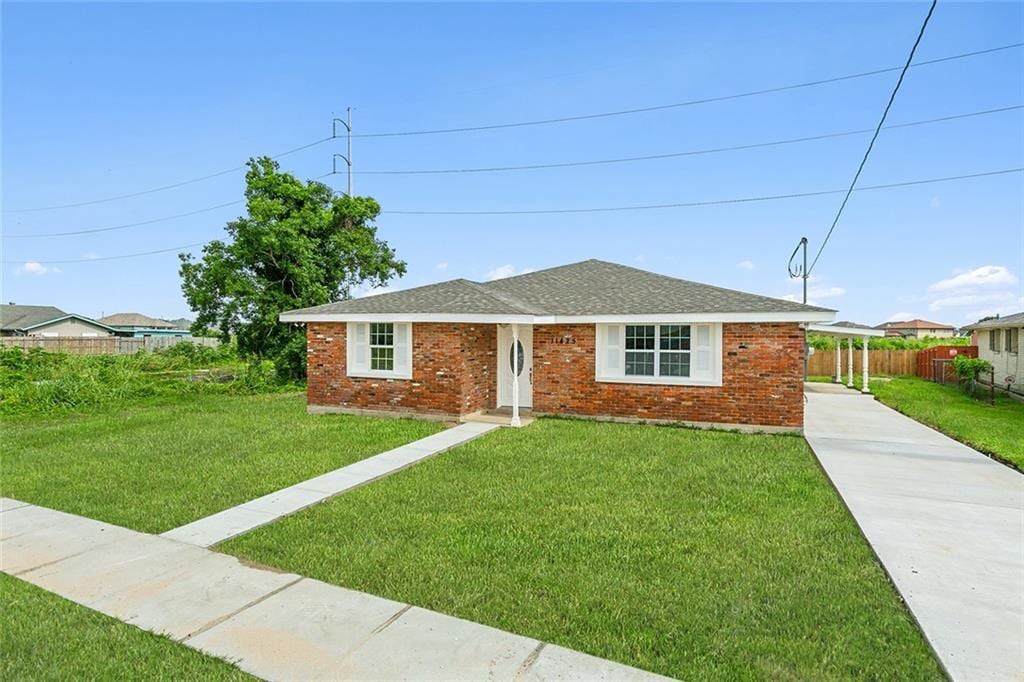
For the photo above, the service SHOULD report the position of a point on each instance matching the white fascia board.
(668, 318)
(809, 316)
(406, 317)
(832, 330)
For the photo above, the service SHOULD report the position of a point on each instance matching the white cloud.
(901, 317)
(440, 267)
(970, 299)
(363, 293)
(745, 265)
(935, 202)
(507, 270)
(825, 292)
(985, 276)
(1014, 306)
(33, 267)
(798, 298)
(90, 255)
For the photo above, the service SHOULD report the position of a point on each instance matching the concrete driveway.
(946, 522)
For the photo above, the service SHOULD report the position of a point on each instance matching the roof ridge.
(704, 284)
(502, 297)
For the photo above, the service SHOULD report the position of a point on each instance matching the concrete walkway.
(278, 626)
(245, 517)
(946, 522)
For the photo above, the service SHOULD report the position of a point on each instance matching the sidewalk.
(226, 524)
(946, 522)
(278, 626)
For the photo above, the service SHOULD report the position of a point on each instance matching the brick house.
(591, 339)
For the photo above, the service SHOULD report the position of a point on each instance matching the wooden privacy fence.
(101, 345)
(892, 362)
(936, 363)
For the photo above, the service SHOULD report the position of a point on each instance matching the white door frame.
(505, 336)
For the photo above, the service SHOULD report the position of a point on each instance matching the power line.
(871, 144)
(696, 152)
(703, 203)
(775, 197)
(125, 225)
(688, 103)
(520, 124)
(103, 258)
(756, 145)
(163, 187)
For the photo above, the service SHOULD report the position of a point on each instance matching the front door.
(507, 353)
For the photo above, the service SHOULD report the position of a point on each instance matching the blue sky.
(108, 99)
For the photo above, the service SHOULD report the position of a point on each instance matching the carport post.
(849, 362)
(864, 367)
(839, 360)
(515, 377)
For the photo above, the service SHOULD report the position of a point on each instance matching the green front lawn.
(156, 467)
(994, 429)
(689, 553)
(46, 637)
(997, 430)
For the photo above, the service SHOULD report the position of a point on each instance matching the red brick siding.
(452, 371)
(762, 384)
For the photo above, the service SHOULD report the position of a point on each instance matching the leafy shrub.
(825, 342)
(969, 370)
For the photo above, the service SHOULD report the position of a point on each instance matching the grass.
(997, 430)
(700, 555)
(46, 637)
(153, 468)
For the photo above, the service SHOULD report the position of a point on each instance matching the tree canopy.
(297, 246)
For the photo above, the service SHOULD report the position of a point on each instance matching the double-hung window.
(657, 350)
(379, 349)
(994, 339)
(659, 353)
(382, 346)
(1012, 340)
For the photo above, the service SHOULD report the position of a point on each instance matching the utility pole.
(800, 270)
(348, 156)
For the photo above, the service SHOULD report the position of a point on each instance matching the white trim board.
(485, 318)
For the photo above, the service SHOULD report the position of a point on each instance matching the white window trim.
(367, 373)
(716, 358)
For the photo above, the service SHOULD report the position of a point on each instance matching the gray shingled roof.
(1015, 320)
(852, 325)
(135, 320)
(592, 287)
(15, 317)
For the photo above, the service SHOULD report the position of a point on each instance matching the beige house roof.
(135, 320)
(914, 324)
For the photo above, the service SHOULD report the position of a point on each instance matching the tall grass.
(37, 382)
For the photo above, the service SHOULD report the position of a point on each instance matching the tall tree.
(298, 246)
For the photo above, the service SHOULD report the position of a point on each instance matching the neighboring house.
(47, 321)
(591, 339)
(137, 324)
(998, 341)
(917, 329)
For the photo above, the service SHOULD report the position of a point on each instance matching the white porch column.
(864, 368)
(515, 377)
(849, 362)
(839, 360)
